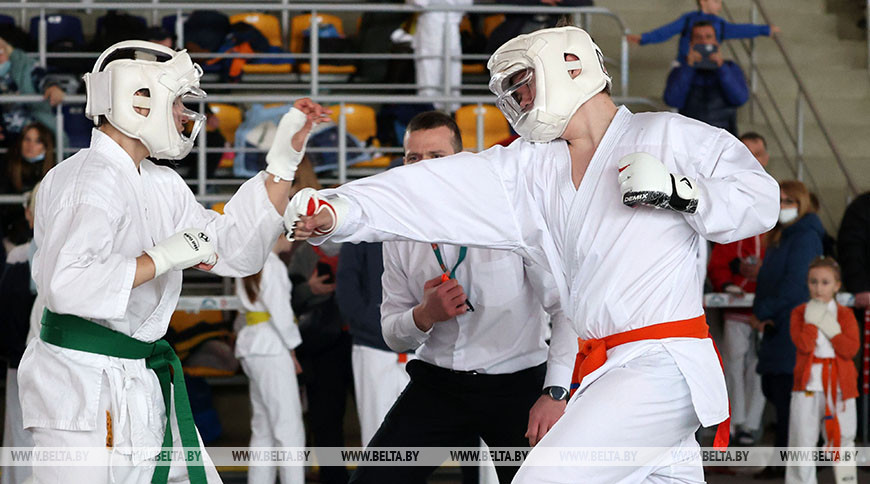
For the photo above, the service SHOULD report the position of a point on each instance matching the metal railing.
(201, 183)
(285, 8)
(792, 147)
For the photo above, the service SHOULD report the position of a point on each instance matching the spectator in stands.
(378, 372)
(29, 160)
(267, 338)
(829, 243)
(159, 35)
(707, 87)
(782, 286)
(708, 11)
(435, 31)
(20, 75)
(522, 23)
(325, 352)
(734, 269)
(853, 249)
(17, 294)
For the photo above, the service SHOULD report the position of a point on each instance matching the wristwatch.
(556, 393)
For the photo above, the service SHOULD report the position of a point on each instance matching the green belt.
(75, 333)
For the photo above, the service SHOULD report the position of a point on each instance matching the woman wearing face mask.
(792, 244)
(29, 160)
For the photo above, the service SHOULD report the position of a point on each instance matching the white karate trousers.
(120, 470)
(644, 403)
(806, 414)
(378, 379)
(740, 359)
(276, 418)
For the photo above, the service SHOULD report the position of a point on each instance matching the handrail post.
(285, 23)
(43, 39)
(479, 112)
(58, 134)
(799, 144)
(314, 41)
(200, 156)
(753, 68)
(154, 12)
(179, 29)
(445, 63)
(623, 64)
(342, 143)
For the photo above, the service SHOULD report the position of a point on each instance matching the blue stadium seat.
(101, 20)
(168, 22)
(59, 27)
(5, 19)
(76, 126)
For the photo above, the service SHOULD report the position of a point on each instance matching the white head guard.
(133, 66)
(531, 77)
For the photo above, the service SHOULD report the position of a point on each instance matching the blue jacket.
(358, 292)
(782, 286)
(683, 26)
(711, 96)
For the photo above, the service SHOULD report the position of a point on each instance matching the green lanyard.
(450, 273)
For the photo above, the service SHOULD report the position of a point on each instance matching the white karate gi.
(95, 214)
(264, 352)
(807, 412)
(617, 268)
(436, 32)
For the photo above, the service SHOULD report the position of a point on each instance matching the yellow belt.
(257, 317)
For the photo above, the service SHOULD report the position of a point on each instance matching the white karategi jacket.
(505, 333)
(617, 268)
(278, 335)
(95, 214)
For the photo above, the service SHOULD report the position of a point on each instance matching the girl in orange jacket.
(825, 379)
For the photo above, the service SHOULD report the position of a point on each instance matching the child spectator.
(265, 347)
(708, 10)
(825, 379)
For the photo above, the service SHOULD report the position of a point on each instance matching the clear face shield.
(515, 88)
(187, 119)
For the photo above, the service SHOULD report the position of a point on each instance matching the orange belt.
(593, 354)
(403, 357)
(830, 384)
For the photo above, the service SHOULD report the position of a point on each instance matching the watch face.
(557, 393)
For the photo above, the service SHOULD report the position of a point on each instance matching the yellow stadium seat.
(229, 117)
(490, 22)
(270, 27)
(361, 120)
(299, 24)
(471, 67)
(182, 320)
(495, 126)
(362, 124)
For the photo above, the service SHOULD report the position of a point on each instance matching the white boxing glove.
(309, 202)
(644, 180)
(815, 311)
(829, 325)
(282, 159)
(182, 250)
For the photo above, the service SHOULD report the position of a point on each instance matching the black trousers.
(443, 408)
(777, 391)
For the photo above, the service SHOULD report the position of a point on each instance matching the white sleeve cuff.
(558, 375)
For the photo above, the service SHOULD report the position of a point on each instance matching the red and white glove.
(282, 160)
(309, 202)
(181, 251)
(644, 180)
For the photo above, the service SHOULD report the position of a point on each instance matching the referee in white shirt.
(479, 332)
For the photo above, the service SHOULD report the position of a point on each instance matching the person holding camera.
(707, 87)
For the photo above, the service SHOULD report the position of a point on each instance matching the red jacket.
(846, 345)
(723, 255)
